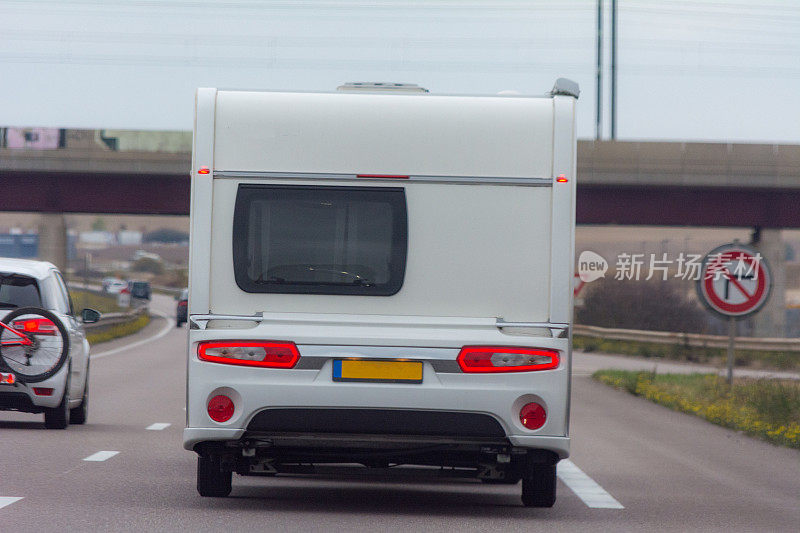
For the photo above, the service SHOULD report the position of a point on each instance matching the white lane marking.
(158, 426)
(167, 328)
(8, 500)
(585, 488)
(101, 456)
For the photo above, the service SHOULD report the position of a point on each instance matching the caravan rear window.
(320, 240)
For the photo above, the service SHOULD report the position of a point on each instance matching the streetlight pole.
(613, 69)
(598, 130)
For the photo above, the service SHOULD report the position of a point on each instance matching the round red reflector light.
(220, 408)
(532, 416)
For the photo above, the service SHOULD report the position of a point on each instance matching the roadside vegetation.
(658, 305)
(653, 305)
(764, 408)
(82, 299)
(119, 330)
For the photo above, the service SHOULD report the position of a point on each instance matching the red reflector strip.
(7, 378)
(383, 176)
(488, 359)
(562, 178)
(204, 170)
(43, 391)
(250, 353)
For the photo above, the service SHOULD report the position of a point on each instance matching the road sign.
(735, 280)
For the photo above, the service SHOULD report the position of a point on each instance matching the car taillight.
(8, 378)
(220, 408)
(532, 415)
(43, 391)
(249, 353)
(35, 326)
(506, 359)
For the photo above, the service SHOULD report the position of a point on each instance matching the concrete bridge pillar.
(53, 239)
(770, 321)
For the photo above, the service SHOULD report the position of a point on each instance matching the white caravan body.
(379, 228)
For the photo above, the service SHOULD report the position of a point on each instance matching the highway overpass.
(627, 183)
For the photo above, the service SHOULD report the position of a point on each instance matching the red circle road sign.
(735, 280)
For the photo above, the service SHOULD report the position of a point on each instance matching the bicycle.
(34, 344)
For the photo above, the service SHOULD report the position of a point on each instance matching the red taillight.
(532, 416)
(220, 408)
(506, 359)
(35, 326)
(248, 353)
(43, 391)
(7, 378)
(204, 170)
(561, 178)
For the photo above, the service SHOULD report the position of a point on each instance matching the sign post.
(735, 282)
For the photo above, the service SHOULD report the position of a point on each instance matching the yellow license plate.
(377, 370)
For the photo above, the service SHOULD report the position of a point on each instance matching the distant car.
(183, 306)
(139, 290)
(60, 391)
(107, 281)
(115, 286)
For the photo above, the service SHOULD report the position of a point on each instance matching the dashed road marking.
(585, 488)
(8, 500)
(101, 456)
(158, 426)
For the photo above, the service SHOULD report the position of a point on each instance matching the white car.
(384, 280)
(62, 396)
(115, 286)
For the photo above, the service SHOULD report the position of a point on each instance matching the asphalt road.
(667, 471)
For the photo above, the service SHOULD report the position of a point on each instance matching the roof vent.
(565, 87)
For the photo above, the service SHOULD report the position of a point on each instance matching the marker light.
(506, 359)
(562, 178)
(532, 416)
(204, 170)
(385, 176)
(269, 354)
(220, 408)
(43, 391)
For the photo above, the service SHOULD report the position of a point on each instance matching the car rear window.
(320, 240)
(19, 291)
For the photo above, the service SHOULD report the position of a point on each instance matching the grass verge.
(119, 330)
(82, 299)
(693, 354)
(768, 409)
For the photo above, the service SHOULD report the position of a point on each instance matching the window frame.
(395, 196)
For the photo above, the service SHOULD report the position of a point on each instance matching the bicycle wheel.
(37, 347)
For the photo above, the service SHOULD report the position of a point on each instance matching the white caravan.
(381, 279)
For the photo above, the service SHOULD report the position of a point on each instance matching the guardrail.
(689, 339)
(108, 320)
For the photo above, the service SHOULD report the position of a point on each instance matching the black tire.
(539, 485)
(50, 349)
(58, 417)
(212, 480)
(78, 415)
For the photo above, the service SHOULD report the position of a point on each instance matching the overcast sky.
(697, 70)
